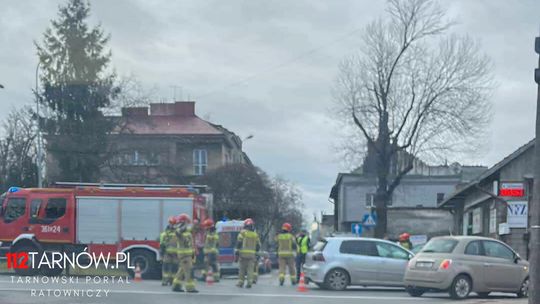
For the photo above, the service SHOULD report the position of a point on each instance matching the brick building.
(165, 143)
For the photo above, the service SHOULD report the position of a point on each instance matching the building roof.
(166, 119)
(170, 125)
(494, 169)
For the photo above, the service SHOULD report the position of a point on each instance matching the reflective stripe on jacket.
(211, 242)
(286, 242)
(248, 243)
(184, 244)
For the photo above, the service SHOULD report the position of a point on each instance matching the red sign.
(512, 190)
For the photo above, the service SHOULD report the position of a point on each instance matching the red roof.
(172, 125)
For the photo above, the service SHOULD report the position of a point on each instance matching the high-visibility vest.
(211, 243)
(406, 245)
(285, 245)
(170, 241)
(249, 241)
(303, 244)
(184, 244)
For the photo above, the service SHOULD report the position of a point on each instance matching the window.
(498, 250)
(370, 202)
(200, 161)
(359, 248)
(440, 198)
(227, 239)
(56, 208)
(474, 248)
(440, 246)
(319, 246)
(391, 251)
(15, 208)
(34, 208)
(137, 158)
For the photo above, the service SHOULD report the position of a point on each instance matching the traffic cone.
(210, 278)
(137, 277)
(302, 283)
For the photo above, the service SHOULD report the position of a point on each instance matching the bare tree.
(17, 150)
(132, 94)
(412, 90)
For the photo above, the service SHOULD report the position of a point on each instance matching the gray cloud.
(210, 47)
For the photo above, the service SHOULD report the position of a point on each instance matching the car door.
(393, 263)
(14, 217)
(500, 270)
(473, 259)
(50, 218)
(360, 260)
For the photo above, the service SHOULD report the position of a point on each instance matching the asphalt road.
(16, 290)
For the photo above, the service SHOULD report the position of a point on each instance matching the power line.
(279, 66)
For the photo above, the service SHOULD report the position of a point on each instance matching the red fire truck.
(98, 218)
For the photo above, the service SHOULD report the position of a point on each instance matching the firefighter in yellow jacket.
(184, 249)
(167, 244)
(247, 246)
(211, 250)
(286, 248)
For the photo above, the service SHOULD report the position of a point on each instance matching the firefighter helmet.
(404, 237)
(208, 223)
(287, 227)
(183, 218)
(248, 222)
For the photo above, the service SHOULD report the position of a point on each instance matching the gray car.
(338, 262)
(465, 264)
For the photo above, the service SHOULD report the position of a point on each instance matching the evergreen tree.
(76, 86)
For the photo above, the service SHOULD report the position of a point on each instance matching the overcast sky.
(266, 68)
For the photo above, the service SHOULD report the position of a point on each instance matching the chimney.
(184, 108)
(135, 112)
(179, 108)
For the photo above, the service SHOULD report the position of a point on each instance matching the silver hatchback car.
(338, 262)
(465, 264)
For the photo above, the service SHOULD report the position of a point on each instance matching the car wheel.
(461, 287)
(415, 292)
(483, 294)
(336, 279)
(524, 289)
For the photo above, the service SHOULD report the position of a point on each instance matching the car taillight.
(318, 257)
(445, 264)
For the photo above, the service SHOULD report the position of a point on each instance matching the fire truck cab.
(96, 218)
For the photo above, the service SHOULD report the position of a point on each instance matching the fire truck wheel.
(28, 271)
(147, 263)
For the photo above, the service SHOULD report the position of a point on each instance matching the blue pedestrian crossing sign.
(356, 228)
(369, 220)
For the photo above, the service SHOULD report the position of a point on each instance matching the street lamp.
(39, 156)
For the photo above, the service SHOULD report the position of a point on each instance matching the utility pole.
(39, 152)
(534, 289)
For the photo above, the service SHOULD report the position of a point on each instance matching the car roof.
(356, 238)
(464, 238)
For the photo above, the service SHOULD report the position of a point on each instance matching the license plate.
(424, 264)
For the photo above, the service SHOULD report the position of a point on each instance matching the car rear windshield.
(440, 246)
(319, 246)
